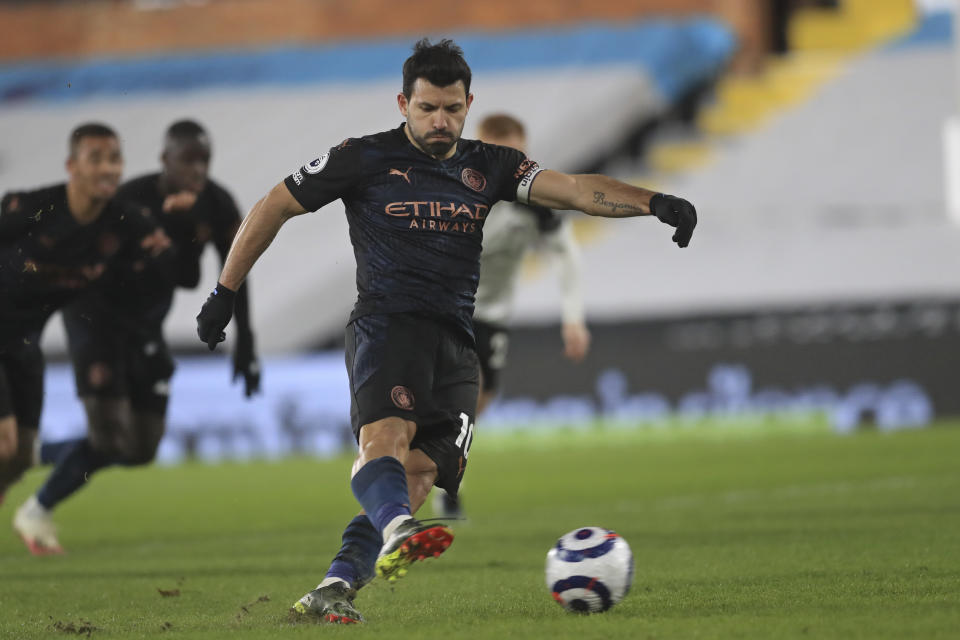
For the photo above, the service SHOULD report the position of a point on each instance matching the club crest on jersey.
(402, 397)
(316, 166)
(473, 179)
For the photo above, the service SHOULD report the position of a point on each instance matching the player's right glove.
(215, 315)
(675, 212)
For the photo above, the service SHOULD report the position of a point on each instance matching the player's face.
(435, 116)
(186, 164)
(514, 141)
(95, 166)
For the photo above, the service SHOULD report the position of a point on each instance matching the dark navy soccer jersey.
(213, 218)
(415, 222)
(47, 258)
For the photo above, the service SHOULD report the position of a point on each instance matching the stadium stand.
(586, 89)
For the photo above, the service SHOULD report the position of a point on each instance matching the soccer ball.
(589, 570)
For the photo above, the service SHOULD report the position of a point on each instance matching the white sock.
(330, 580)
(33, 505)
(393, 524)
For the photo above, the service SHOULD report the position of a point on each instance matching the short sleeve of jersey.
(329, 177)
(518, 173)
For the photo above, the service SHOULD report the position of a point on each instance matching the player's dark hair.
(185, 130)
(441, 64)
(501, 125)
(89, 130)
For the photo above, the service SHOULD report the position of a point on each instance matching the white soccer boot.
(33, 524)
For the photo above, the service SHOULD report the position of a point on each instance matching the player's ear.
(403, 104)
(469, 100)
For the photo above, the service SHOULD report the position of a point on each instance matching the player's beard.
(437, 147)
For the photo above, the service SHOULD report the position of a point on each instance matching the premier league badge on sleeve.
(316, 166)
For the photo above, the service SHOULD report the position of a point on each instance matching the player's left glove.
(245, 363)
(675, 212)
(215, 315)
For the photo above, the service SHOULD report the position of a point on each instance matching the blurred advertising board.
(882, 366)
(889, 366)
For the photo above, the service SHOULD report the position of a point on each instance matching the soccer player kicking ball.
(416, 199)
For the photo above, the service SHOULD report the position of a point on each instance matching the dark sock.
(381, 488)
(52, 452)
(72, 471)
(357, 557)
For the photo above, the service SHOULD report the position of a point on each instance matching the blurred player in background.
(416, 199)
(55, 244)
(512, 229)
(120, 357)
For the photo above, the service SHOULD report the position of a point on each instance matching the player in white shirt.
(510, 231)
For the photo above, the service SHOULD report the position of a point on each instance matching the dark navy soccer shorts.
(419, 369)
(21, 381)
(110, 360)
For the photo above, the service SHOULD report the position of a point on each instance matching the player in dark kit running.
(120, 356)
(416, 198)
(56, 243)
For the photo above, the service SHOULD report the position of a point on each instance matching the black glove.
(245, 363)
(675, 212)
(215, 315)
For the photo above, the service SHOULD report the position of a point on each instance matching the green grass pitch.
(763, 535)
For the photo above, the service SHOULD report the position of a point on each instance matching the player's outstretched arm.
(599, 195)
(253, 237)
(256, 232)
(246, 366)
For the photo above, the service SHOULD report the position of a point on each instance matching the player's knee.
(17, 461)
(138, 452)
(8, 450)
(8, 438)
(390, 436)
(108, 414)
(99, 375)
(139, 457)
(147, 432)
(109, 421)
(141, 452)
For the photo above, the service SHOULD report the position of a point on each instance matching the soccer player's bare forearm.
(256, 233)
(610, 198)
(593, 194)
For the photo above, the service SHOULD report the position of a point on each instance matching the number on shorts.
(465, 439)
